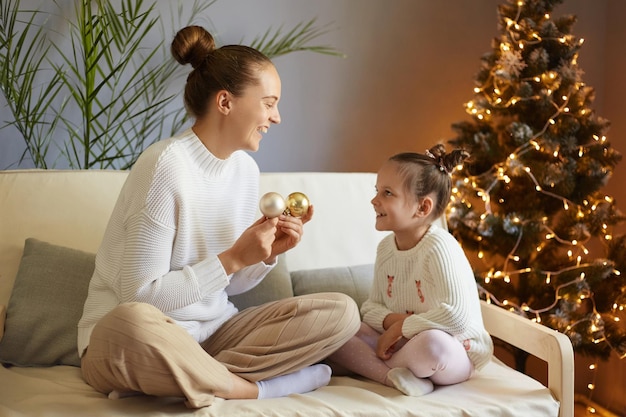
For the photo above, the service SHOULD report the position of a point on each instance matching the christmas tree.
(528, 207)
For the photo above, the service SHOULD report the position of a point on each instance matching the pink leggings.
(432, 354)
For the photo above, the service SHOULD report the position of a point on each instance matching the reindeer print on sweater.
(390, 279)
(418, 284)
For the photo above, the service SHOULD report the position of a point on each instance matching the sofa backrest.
(342, 231)
(72, 207)
(68, 208)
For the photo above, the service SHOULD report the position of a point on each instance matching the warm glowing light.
(488, 189)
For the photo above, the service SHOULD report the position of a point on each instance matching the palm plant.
(108, 97)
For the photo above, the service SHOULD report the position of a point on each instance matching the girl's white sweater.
(435, 282)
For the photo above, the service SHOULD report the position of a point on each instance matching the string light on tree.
(529, 203)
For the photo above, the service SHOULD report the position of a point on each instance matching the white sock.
(404, 380)
(299, 382)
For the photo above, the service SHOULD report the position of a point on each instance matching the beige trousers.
(138, 348)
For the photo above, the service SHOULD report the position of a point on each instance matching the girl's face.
(396, 209)
(255, 110)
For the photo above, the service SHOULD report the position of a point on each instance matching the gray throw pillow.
(45, 306)
(275, 286)
(355, 281)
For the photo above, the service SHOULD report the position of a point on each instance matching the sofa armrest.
(546, 344)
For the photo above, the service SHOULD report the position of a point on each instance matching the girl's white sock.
(404, 380)
(299, 382)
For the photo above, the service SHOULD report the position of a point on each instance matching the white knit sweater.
(433, 280)
(179, 208)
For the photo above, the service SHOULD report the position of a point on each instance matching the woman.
(182, 237)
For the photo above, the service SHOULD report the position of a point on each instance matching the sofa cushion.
(45, 306)
(354, 281)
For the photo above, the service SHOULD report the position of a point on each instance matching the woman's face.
(395, 208)
(255, 110)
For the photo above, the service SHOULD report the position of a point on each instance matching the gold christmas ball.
(297, 204)
(272, 204)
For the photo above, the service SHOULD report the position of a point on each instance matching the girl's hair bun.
(446, 162)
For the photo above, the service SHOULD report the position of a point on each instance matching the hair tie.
(438, 161)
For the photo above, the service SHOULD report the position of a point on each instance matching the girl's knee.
(437, 341)
(444, 359)
(435, 347)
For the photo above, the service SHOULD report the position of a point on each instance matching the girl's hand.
(385, 347)
(391, 318)
(289, 233)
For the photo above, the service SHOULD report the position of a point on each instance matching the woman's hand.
(253, 246)
(289, 233)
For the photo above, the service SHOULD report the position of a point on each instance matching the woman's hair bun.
(192, 45)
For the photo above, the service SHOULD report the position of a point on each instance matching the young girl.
(422, 323)
(183, 236)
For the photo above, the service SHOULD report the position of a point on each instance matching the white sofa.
(70, 209)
